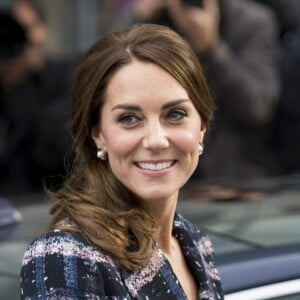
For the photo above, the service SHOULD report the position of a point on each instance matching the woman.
(141, 108)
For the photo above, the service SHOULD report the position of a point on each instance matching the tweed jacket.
(63, 265)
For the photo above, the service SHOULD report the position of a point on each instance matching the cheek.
(120, 144)
(188, 141)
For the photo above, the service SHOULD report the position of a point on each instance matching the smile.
(155, 166)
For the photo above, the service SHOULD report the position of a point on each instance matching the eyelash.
(127, 119)
(131, 119)
(180, 114)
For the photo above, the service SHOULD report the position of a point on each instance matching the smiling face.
(150, 130)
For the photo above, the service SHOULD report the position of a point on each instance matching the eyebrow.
(129, 106)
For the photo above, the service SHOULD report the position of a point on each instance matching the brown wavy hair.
(104, 210)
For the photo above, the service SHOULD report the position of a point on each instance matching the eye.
(177, 114)
(128, 119)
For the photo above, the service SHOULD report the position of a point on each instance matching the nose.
(155, 137)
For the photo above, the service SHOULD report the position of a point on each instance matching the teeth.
(155, 167)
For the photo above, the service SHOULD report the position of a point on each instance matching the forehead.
(139, 81)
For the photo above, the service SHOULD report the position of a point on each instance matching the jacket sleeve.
(58, 265)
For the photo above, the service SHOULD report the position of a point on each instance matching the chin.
(157, 195)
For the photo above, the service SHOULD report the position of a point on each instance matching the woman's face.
(150, 130)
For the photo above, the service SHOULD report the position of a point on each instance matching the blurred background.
(248, 180)
(73, 25)
(41, 43)
(249, 51)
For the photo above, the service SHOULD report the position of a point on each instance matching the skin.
(145, 9)
(32, 58)
(148, 118)
(36, 33)
(200, 25)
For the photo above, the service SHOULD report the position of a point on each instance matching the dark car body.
(255, 230)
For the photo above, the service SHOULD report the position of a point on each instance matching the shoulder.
(202, 249)
(60, 244)
(55, 242)
(180, 221)
(197, 234)
(62, 264)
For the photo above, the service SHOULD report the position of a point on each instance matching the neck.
(165, 238)
(165, 217)
(163, 211)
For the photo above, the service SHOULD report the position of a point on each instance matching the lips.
(155, 166)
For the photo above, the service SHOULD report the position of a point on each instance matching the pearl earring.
(101, 154)
(200, 148)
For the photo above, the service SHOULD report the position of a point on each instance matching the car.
(255, 233)
(26, 216)
(254, 229)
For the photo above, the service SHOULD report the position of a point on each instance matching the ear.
(202, 131)
(98, 138)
